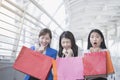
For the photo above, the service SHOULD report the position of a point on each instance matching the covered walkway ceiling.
(84, 15)
(78, 16)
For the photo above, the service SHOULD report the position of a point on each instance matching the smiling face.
(66, 43)
(95, 39)
(44, 40)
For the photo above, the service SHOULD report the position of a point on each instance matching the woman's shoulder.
(52, 50)
(32, 47)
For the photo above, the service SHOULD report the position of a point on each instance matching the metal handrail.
(8, 30)
(26, 12)
(18, 14)
(15, 20)
(25, 17)
(7, 36)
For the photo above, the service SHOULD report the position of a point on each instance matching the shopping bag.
(54, 70)
(110, 68)
(68, 68)
(95, 64)
(33, 63)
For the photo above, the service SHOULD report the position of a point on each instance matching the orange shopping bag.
(110, 68)
(54, 70)
(94, 64)
(33, 63)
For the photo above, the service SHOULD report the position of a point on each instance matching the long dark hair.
(102, 46)
(68, 35)
(44, 32)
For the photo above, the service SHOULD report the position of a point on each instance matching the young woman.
(67, 45)
(96, 43)
(43, 47)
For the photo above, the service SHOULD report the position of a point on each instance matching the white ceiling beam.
(44, 11)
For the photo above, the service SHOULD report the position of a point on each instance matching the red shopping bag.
(33, 63)
(95, 64)
(68, 68)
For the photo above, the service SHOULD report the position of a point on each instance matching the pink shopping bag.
(69, 69)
